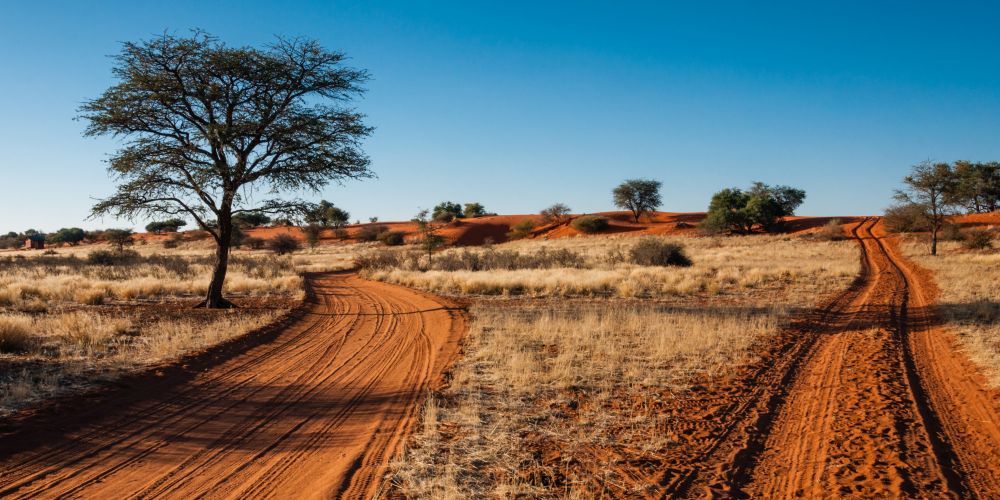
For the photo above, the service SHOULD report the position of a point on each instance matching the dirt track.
(313, 409)
(870, 401)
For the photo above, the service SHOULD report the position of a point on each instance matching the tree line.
(934, 191)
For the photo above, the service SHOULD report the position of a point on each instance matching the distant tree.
(251, 219)
(473, 210)
(328, 215)
(558, 212)
(739, 211)
(120, 238)
(205, 124)
(638, 196)
(429, 239)
(977, 186)
(372, 220)
(313, 233)
(930, 187)
(71, 235)
(283, 244)
(282, 222)
(446, 211)
(165, 226)
(767, 204)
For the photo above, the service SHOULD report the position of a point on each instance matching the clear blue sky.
(519, 105)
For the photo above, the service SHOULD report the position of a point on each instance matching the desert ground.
(829, 357)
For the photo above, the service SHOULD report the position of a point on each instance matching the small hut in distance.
(35, 242)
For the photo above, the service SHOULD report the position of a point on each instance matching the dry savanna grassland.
(969, 300)
(79, 315)
(574, 349)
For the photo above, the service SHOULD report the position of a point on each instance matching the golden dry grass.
(572, 376)
(970, 298)
(723, 265)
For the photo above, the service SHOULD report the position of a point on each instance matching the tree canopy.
(638, 196)
(212, 131)
(930, 191)
(168, 226)
(761, 206)
(327, 215)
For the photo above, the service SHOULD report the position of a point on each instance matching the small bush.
(379, 259)
(110, 258)
(283, 244)
(977, 239)
(15, 334)
(253, 242)
(392, 238)
(590, 224)
(952, 232)
(521, 230)
(371, 232)
(831, 231)
(656, 252)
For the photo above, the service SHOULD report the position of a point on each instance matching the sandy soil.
(313, 407)
(870, 400)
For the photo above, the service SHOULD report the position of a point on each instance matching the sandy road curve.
(314, 409)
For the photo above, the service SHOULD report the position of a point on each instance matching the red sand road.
(315, 410)
(873, 401)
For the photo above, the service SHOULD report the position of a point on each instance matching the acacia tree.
(929, 189)
(638, 196)
(208, 127)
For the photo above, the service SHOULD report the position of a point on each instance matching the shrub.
(590, 224)
(474, 210)
(379, 259)
(109, 258)
(905, 218)
(392, 238)
(951, 232)
(831, 231)
(15, 334)
(174, 241)
(521, 230)
(978, 239)
(313, 233)
(656, 252)
(253, 242)
(446, 211)
(556, 213)
(283, 244)
(371, 232)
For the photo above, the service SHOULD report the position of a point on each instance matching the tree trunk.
(934, 233)
(214, 299)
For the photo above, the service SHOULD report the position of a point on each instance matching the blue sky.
(519, 105)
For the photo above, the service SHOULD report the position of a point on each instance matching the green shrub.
(521, 230)
(656, 252)
(590, 224)
(392, 238)
(283, 244)
(978, 239)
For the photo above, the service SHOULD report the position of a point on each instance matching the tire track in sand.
(315, 411)
(873, 402)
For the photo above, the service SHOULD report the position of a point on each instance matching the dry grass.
(970, 298)
(551, 397)
(38, 282)
(66, 323)
(69, 351)
(729, 266)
